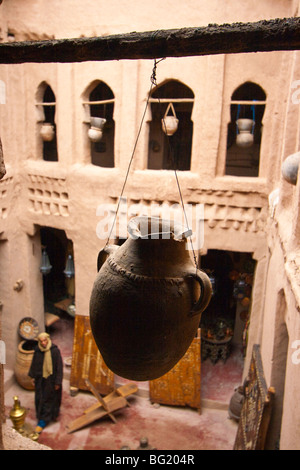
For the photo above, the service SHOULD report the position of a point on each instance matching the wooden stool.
(105, 406)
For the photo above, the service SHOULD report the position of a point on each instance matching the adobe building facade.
(58, 189)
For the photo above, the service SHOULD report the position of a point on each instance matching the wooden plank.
(123, 391)
(127, 389)
(87, 362)
(96, 413)
(181, 386)
(281, 34)
(86, 419)
(96, 394)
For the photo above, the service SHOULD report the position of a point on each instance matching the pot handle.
(104, 254)
(206, 291)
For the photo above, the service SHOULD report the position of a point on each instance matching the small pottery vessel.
(236, 403)
(95, 132)
(147, 300)
(290, 168)
(245, 137)
(169, 125)
(47, 132)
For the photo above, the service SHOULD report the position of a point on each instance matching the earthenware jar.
(245, 136)
(236, 403)
(290, 168)
(95, 132)
(147, 300)
(47, 132)
(170, 123)
(23, 362)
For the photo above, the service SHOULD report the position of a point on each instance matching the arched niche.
(248, 102)
(46, 107)
(175, 154)
(98, 105)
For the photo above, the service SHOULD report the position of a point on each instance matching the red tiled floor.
(166, 427)
(219, 380)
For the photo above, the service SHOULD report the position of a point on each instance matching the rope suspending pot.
(148, 296)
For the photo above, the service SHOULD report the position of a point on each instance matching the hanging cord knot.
(153, 76)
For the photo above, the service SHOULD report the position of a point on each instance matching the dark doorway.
(248, 103)
(50, 147)
(228, 313)
(57, 286)
(101, 101)
(173, 152)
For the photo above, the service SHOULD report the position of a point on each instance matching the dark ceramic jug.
(147, 300)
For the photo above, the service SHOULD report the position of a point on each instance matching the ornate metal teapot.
(147, 300)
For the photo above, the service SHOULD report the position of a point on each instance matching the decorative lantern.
(17, 415)
(170, 123)
(239, 289)
(95, 132)
(45, 267)
(220, 329)
(69, 271)
(213, 281)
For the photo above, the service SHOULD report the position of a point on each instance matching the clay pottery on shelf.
(47, 132)
(245, 136)
(147, 300)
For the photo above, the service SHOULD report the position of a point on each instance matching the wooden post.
(262, 36)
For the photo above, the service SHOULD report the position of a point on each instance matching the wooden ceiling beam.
(262, 36)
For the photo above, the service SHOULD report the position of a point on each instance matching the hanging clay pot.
(245, 136)
(147, 300)
(169, 123)
(95, 132)
(47, 132)
(290, 168)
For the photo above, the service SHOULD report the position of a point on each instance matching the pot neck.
(154, 228)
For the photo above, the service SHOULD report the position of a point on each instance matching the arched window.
(245, 130)
(99, 110)
(176, 98)
(47, 127)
